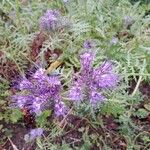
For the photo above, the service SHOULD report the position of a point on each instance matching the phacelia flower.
(86, 60)
(127, 21)
(33, 134)
(53, 20)
(88, 44)
(50, 20)
(60, 108)
(89, 82)
(75, 93)
(38, 92)
(95, 98)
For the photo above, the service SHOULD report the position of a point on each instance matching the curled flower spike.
(104, 76)
(53, 20)
(90, 81)
(75, 93)
(38, 92)
(95, 98)
(50, 20)
(60, 109)
(86, 60)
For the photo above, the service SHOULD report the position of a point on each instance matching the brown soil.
(18, 132)
(8, 69)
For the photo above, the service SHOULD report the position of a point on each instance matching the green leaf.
(142, 113)
(1, 116)
(42, 119)
(113, 108)
(15, 115)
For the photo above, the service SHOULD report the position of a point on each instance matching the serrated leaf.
(142, 113)
(113, 108)
(15, 115)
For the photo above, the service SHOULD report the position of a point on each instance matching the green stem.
(17, 12)
(140, 78)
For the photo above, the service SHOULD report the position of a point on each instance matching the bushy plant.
(102, 45)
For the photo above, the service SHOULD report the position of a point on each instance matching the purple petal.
(106, 80)
(21, 100)
(50, 20)
(60, 109)
(96, 98)
(25, 84)
(86, 60)
(104, 76)
(76, 93)
(114, 41)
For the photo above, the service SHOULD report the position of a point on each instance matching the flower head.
(38, 92)
(50, 20)
(60, 109)
(90, 81)
(53, 20)
(104, 76)
(86, 60)
(95, 98)
(75, 93)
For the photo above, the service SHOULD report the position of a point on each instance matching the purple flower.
(86, 60)
(60, 109)
(53, 20)
(36, 106)
(95, 98)
(88, 44)
(75, 93)
(38, 92)
(50, 20)
(104, 76)
(128, 21)
(33, 134)
(25, 84)
(89, 82)
(21, 100)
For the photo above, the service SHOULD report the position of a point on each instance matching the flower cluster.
(40, 92)
(89, 81)
(52, 20)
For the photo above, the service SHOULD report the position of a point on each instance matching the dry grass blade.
(14, 146)
(53, 66)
